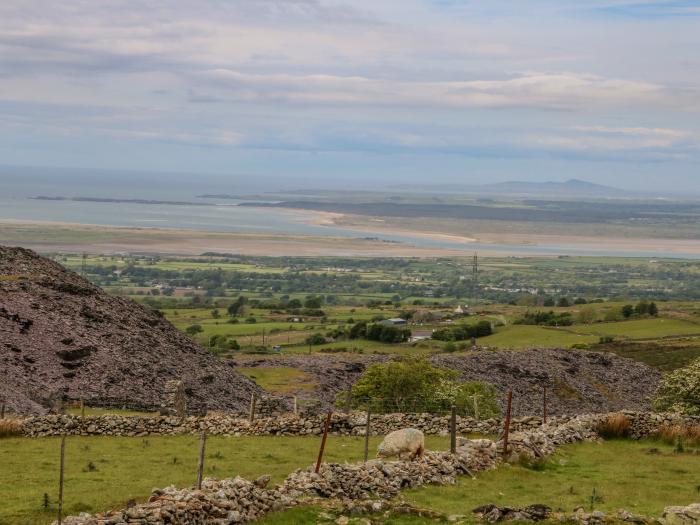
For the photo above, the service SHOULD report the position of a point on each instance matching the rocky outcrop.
(63, 337)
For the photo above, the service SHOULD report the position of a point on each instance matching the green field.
(625, 474)
(524, 336)
(129, 468)
(641, 328)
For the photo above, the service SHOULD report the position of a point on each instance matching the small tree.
(563, 302)
(627, 311)
(679, 391)
(193, 329)
(315, 339)
(237, 306)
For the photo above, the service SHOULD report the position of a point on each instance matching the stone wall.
(290, 425)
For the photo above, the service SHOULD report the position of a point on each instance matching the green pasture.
(650, 328)
(642, 477)
(527, 336)
(106, 472)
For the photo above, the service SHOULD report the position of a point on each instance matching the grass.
(685, 435)
(641, 328)
(129, 468)
(641, 477)
(526, 336)
(10, 426)
(624, 473)
(282, 379)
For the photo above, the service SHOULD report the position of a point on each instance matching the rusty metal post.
(253, 401)
(323, 441)
(544, 405)
(61, 467)
(367, 431)
(453, 430)
(200, 466)
(506, 423)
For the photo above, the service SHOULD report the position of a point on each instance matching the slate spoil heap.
(62, 337)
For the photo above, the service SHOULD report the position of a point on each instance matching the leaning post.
(506, 423)
(323, 441)
(453, 430)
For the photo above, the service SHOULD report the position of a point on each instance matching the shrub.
(679, 390)
(672, 434)
(10, 427)
(193, 329)
(315, 339)
(615, 426)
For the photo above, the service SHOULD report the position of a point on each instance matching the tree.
(215, 314)
(642, 308)
(679, 391)
(413, 383)
(587, 315)
(580, 300)
(313, 303)
(627, 311)
(193, 329)
(315, 339)
(563, 302)
(237, 307)
(549, 301)
(653, 309)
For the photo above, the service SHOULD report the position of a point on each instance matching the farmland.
(107, 472)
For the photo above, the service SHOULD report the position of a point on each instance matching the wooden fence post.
(2, 411)
(367, 431)
(253, 400)
(200, 466)
(82, 408)
(453, 430)
(475, 399)
(544, 405)
(296, 406)
(506, 423)
(323, 441)
(60, 479)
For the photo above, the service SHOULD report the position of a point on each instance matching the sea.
(20, 187)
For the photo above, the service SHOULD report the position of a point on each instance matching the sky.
(357, 93)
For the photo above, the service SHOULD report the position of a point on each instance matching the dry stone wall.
(290, 425)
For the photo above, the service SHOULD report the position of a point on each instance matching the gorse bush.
(615, 426)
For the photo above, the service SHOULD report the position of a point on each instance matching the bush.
(463, 332)
(414, 384)
(679, 391)
(672, 434)
(615, 426)
(315, 339)
(10, 426)
(193, 329)
(546, 319)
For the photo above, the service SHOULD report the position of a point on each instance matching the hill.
(63, 337)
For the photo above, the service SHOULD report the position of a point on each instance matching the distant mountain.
(569, 188)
